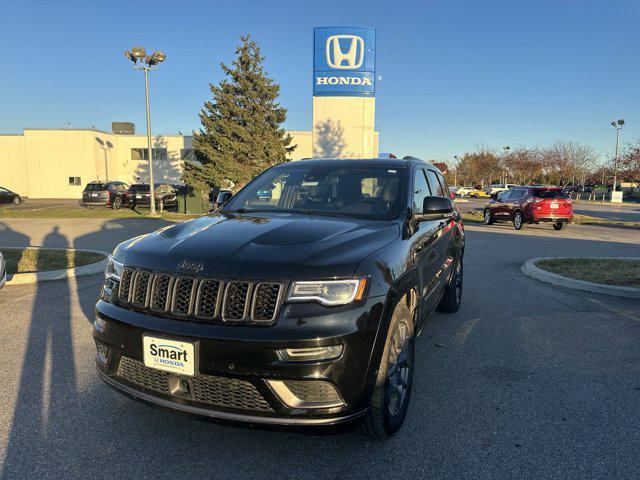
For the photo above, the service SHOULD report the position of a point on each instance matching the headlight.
(328, 292)
(114, 269)
(307, 354)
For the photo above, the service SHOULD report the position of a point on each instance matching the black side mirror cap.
(223, 197)
(435, 208)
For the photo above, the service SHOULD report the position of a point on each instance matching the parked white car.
(496, 188)
(3, 271)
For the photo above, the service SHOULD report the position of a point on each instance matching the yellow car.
(477, 193)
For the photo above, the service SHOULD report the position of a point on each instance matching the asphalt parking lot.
(527, 380)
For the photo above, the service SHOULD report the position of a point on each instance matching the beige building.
(58, 163)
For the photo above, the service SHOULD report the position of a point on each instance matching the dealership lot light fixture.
(144, 62)
(617, 124)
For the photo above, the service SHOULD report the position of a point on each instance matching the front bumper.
(238, 368)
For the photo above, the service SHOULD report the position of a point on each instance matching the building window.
(75, 182)
(143, 154)
(187, 154)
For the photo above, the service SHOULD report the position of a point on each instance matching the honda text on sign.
(344, 61)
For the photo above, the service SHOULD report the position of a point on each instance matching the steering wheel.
(376, 202)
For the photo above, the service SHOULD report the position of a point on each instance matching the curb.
(30, 278)
(530, 269)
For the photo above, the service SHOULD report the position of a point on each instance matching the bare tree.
(630, 163)
(524, 165)
(565, 160)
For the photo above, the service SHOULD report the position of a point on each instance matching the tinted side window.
(420, 190)
(520, 193)
(443, 183)
(436, 188)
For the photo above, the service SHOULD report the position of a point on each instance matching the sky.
(455, 75)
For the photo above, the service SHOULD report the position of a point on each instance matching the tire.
(452, 297)
(517, 220)
(392, 391)
(17, 201)
(558, 226)
(117, 203)
(488, 218)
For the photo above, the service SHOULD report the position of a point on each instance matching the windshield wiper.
(323, 213)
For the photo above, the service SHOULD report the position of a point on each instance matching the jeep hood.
(260, 246)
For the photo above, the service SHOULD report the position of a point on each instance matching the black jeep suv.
(297, 303)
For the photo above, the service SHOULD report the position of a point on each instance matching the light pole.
(147, 63)
(455, 171)
(506, 149)
(617, 124)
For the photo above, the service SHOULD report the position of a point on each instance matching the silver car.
(3, 271)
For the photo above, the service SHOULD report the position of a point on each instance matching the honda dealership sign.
(344, 61)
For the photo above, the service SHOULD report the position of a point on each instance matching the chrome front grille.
(266, 301)
(200, 299)
(183, 296)
(160, 292)
(208, 299)
(236, 296)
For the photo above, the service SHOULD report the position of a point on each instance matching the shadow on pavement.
(48, 377)
(110, 234)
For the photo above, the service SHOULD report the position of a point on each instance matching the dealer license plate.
(169, 355)
(138, 196)
(554, 205)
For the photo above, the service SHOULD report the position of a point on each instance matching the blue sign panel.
(344, 61)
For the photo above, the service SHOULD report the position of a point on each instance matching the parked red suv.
(535, 204)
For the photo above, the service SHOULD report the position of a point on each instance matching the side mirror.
(223, 197)
(435, 208)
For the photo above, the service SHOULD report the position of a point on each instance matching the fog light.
(310, 354)
(102, 353)
(307, 394)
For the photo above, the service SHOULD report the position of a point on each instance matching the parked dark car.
(7, 196)
(111, 194)
(532, 204)
(301, 307)
(166, 197)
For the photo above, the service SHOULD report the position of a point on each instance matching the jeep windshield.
(364, 192)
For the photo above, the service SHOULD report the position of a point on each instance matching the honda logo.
(349, 60)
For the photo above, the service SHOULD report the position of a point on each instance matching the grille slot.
(140, 293)
(135, 372)
(125, 284)
(208, 298)
(265, 302)
(228, 392)
(160, 288)
(183, 296)
(234, 306)
(220, 391)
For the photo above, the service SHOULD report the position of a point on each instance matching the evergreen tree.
(241, 133)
